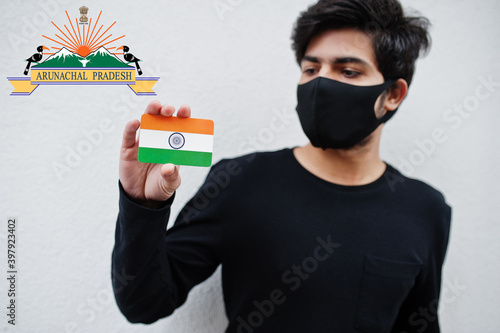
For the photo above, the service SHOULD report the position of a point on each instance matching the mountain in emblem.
(103, 58)
(64, 58)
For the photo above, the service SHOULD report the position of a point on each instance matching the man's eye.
(350, 74)
(310, 71)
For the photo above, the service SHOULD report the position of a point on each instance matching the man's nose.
(328, 73)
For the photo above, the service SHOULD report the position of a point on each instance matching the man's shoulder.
(252, 162)
(417, 192)
(414, 184)
(236, 175)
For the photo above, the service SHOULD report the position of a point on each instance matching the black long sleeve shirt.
(298, 254)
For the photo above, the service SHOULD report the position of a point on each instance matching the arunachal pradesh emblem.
(83, 11)
(83, 55)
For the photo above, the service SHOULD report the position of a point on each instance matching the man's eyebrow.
(344, 60)
(311, 59)
(350, 60)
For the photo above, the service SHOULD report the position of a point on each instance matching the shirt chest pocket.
(385, 285)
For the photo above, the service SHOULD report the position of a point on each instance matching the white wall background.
(238, 70)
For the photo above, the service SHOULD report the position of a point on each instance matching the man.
(320, 238)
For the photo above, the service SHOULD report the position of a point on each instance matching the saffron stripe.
(175, 124)
(177, 157)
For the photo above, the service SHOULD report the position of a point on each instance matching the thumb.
(171, 179)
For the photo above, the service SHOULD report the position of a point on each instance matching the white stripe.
(159, 140)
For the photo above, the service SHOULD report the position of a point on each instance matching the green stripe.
(177, 157)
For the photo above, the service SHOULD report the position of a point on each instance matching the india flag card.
(180, 141)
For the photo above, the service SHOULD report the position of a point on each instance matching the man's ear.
(396, 94)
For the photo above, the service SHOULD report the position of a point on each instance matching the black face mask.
(338, 115)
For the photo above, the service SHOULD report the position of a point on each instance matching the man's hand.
(146, 183)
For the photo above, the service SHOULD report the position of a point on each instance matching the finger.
(167, 110)
(153, 108)
(129, 133)
(168, 170)
(171, 177)
(184, 111)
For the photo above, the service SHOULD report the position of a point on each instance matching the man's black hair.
(397, 40)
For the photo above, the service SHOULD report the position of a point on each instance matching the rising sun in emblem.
(80, 42)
